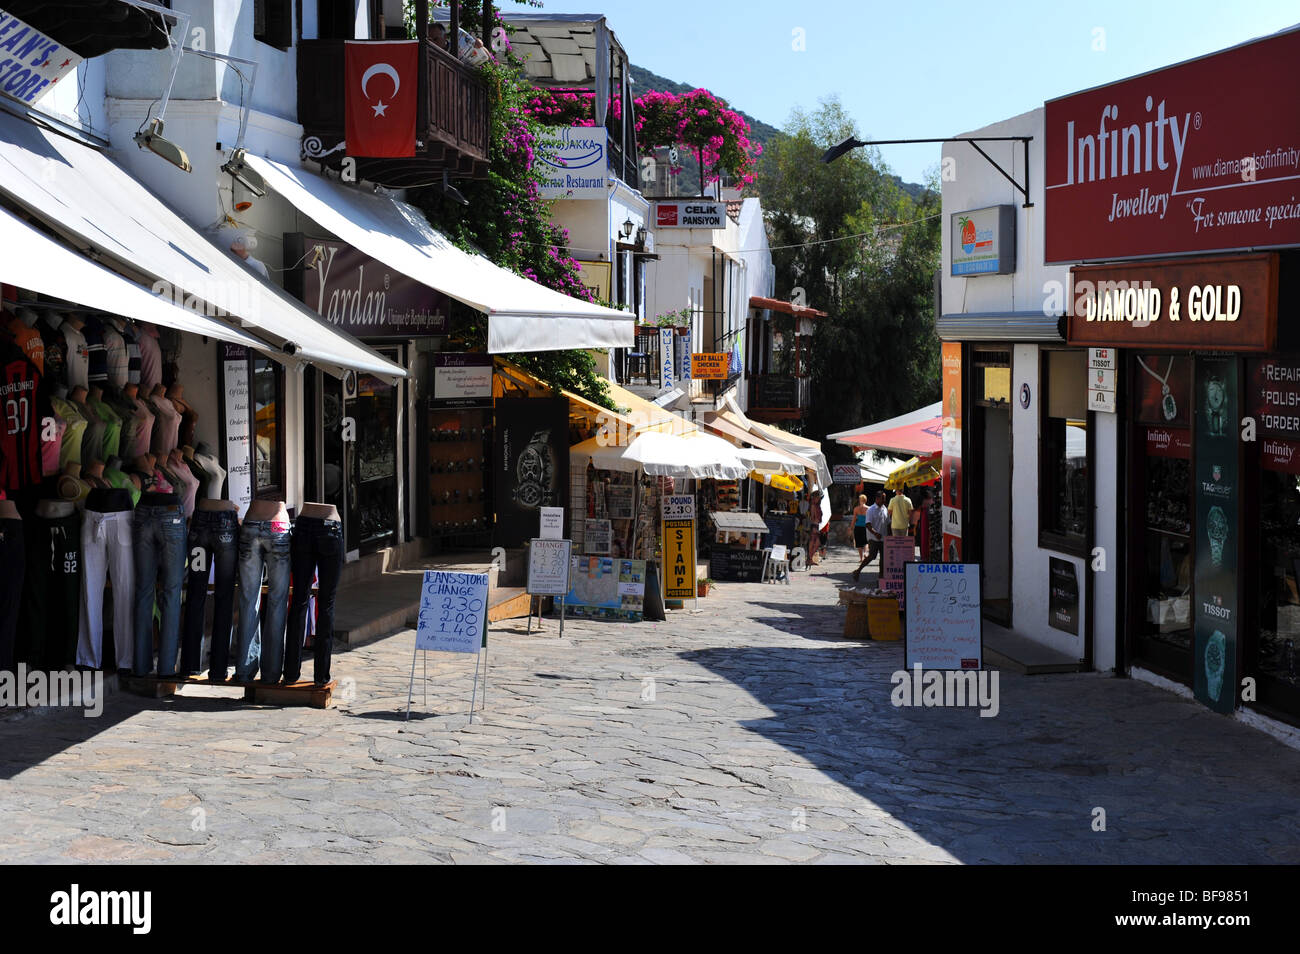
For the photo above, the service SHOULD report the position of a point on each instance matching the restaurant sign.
(358, 294)
(1226, 302)
(1191, 158)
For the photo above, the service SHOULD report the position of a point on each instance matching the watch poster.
(1214, 663)
(1063, 600)
(952, 482)
(530, 462)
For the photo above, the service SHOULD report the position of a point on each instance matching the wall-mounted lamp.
(626, 231)
(641, 236)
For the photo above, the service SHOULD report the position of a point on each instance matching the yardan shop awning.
(666, 455)
(80, 193)
(33, 260)
(522, 315)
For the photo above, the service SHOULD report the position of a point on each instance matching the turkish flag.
(381, 97)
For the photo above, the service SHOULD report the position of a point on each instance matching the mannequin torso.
(320, 511)
(267, 510)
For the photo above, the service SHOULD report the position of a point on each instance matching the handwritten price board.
(944, 624)
(453, 611)
(548, 567)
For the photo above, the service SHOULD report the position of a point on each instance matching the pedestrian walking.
(900, 514)
(860, 526)
(877, 520)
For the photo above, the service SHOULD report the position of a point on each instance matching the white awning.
(33, 260)
(82, 194)
(522, 315)
(666, 455)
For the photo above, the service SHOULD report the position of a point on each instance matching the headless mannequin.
(8, 511)
(212, 505)
(320, 511)
(132, 391)
(274, 510)
(158, 393)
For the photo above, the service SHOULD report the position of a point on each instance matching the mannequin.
(13, 558)
(158, 537)
(167, 423)
(112, 421)
(22, 328)
(92, 440)
(70, 485)
(263, 544)
(316, 549)
(142, 421)
(188, 484)
(189, 417)
(107, 553)
(52, 595)
(208, 462)
(214, 534)
(78, 353)
(94, 475)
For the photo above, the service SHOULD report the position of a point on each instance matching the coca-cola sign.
(1201, 156)
(359, 294)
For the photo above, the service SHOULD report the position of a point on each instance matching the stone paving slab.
(744, 731)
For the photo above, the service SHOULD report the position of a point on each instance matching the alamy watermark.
(947, 687)
(84, 690)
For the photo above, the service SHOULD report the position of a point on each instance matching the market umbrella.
(918, 470)
(787, 482)
(661, 454)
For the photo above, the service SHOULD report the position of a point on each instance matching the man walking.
(877, 515)
(900, 514)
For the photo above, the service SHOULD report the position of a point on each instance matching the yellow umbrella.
(918, 470)
(787, 482)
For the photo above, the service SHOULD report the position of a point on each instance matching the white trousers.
(106, 550)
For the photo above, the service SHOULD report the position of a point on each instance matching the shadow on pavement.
(1178, 783)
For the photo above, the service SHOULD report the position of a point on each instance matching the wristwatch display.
(535, 471)
(1216, 528)
(1215, 662)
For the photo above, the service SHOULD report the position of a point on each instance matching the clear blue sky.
(908, 70)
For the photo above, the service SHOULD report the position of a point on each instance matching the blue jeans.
(213, 538)
(158, 536)
(262, 544)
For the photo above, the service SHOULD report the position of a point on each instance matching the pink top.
(166, 426)
(150, 359)
(142, 435)
(50, 449)
(189, 486)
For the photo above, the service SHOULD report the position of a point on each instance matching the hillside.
(645, 81)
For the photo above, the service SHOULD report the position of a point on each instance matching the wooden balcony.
(452, 127)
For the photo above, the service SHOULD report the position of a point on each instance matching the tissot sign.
(1203, 156)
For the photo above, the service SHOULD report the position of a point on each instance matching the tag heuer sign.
(690, 214)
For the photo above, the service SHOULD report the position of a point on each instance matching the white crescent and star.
(380, 69)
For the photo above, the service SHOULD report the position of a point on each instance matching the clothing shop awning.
(522, 315)
(84, 196)
(666, 455)
(33, 260)
(738, 521)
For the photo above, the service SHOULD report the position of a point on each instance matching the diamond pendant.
(1168, 405)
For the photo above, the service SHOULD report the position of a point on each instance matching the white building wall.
(1034, 287)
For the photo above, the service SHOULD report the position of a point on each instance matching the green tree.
(877, 354)
(508, 221)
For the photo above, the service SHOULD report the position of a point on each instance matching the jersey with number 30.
(20, 426)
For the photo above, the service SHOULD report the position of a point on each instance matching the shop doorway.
(373, 462)
(990, 501)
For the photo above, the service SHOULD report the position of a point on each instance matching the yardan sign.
(1202, 156)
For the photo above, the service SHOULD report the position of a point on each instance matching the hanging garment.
(52, 592)
(20, 425)
(77, 356)
(150, 359)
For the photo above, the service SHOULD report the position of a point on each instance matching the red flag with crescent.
(381, 97)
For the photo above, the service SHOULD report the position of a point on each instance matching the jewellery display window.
(459, 442)
(1279, 578)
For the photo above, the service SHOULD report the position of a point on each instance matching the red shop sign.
(1196, 157)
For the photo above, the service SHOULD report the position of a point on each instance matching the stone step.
(1007, 650)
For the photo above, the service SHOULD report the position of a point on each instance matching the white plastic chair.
(777, 564)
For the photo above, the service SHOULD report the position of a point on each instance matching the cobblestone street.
(764, 737)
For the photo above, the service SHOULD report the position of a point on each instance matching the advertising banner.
(1063, 598)
(572, 162)
(30, 62)
(679, 559)
(983, 241)
(952, 480)
(1273, 395)
(461, 380)
(453, 612)
(606, 588)
(359, 294)
(666, 337)
(690, 214)
(236, 405)
(1194, 157)
(1215, 608)
(531, 463)
(710, 366)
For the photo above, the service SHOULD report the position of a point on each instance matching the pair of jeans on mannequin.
(316, 549)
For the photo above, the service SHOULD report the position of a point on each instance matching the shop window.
(992, 378)
(268, 428)
(273, 22)
(1063, 455)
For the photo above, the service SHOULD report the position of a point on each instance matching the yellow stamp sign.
(679, 559)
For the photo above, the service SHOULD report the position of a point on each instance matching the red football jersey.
(20, 425)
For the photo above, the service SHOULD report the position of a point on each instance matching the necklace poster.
(1214, 662)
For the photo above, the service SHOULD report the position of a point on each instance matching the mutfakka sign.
(1196, 157)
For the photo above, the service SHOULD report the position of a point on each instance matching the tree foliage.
(876, 355)
(508, 221)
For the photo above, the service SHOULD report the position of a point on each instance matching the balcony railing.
(452, 127)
